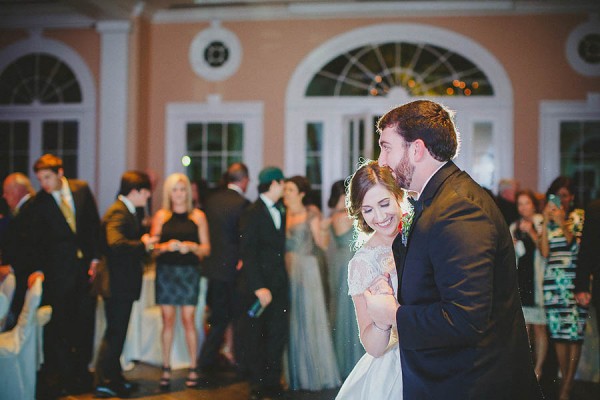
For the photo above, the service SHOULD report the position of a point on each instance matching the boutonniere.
(406, 220)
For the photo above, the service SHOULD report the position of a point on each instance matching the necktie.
(67, 211)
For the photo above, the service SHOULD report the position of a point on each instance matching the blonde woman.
(183, 241)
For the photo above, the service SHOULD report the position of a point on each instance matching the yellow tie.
(67, 211)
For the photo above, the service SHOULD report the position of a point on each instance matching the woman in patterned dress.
(559, 244)
(183, 241)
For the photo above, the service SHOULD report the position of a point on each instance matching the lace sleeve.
(361, 273)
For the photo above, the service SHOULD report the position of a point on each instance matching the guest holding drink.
(183, 243)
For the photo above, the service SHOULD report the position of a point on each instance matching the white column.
(114, 56)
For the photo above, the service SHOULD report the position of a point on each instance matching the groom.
(460, 325)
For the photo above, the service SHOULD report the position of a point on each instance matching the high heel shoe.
(192, 382)
(165, 378)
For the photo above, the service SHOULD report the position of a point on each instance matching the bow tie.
(416, 204)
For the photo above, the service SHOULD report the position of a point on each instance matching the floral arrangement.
(408, 214)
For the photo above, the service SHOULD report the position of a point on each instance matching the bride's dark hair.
(368, 174)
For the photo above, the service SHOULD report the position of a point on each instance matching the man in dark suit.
(589, 260)
(460, 325)
(16, 243)
(67, 228)
(123, 248)
(223, 212)
(264, 279)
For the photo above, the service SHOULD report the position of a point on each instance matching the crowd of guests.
(279, 256)
(556, 256)
(278, 300)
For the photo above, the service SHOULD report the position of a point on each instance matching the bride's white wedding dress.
(373, 378)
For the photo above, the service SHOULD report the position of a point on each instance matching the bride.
(377, 207)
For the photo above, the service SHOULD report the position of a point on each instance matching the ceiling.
(48, 13)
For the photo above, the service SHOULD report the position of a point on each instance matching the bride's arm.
(373, 338)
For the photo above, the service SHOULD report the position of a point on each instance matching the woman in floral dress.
(559, 243)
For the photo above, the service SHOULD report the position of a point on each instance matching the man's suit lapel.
(425, 199)
(57, 217)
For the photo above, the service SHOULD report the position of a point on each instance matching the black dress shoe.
(112, 389)
(129, 385)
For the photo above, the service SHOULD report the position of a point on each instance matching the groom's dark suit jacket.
(460, 324)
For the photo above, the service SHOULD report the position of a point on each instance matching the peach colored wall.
(531, 49)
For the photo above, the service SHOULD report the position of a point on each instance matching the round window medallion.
(215, 53)
(583, 48)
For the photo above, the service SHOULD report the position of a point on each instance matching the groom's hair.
(426, 120)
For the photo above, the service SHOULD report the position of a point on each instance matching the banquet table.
(143, 342)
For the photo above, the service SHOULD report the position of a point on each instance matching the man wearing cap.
(264, 280)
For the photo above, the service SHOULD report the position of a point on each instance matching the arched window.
(419, 68)
(41, 78)
(339, 90)
(47, 105)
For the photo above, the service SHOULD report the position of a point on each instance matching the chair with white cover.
(7, 288)
(20, 348)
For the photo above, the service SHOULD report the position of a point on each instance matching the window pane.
(194, 170)
(233, 159)
(235, 137)
(70, 136)
(70, 165)
(21, 136)
(214, 172)
(194, 137)
(483, 154)
(21, 164)
(215, 137)
(314, 132)
(50, 136)
(4, 137)
(580, 158)
(313, 170)
(14, 147)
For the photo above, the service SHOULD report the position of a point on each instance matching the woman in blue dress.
(348, 349)
(559, 244)
(311, 360)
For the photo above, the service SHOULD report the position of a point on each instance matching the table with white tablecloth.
(143, 342)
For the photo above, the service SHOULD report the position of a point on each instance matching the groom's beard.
(404, 171)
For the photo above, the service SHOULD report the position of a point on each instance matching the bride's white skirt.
(375, 378)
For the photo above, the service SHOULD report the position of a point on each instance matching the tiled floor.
(227, 388)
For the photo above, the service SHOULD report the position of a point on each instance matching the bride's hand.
(381, 285)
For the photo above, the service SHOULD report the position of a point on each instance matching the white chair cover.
(19, 351)
(3, 306)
